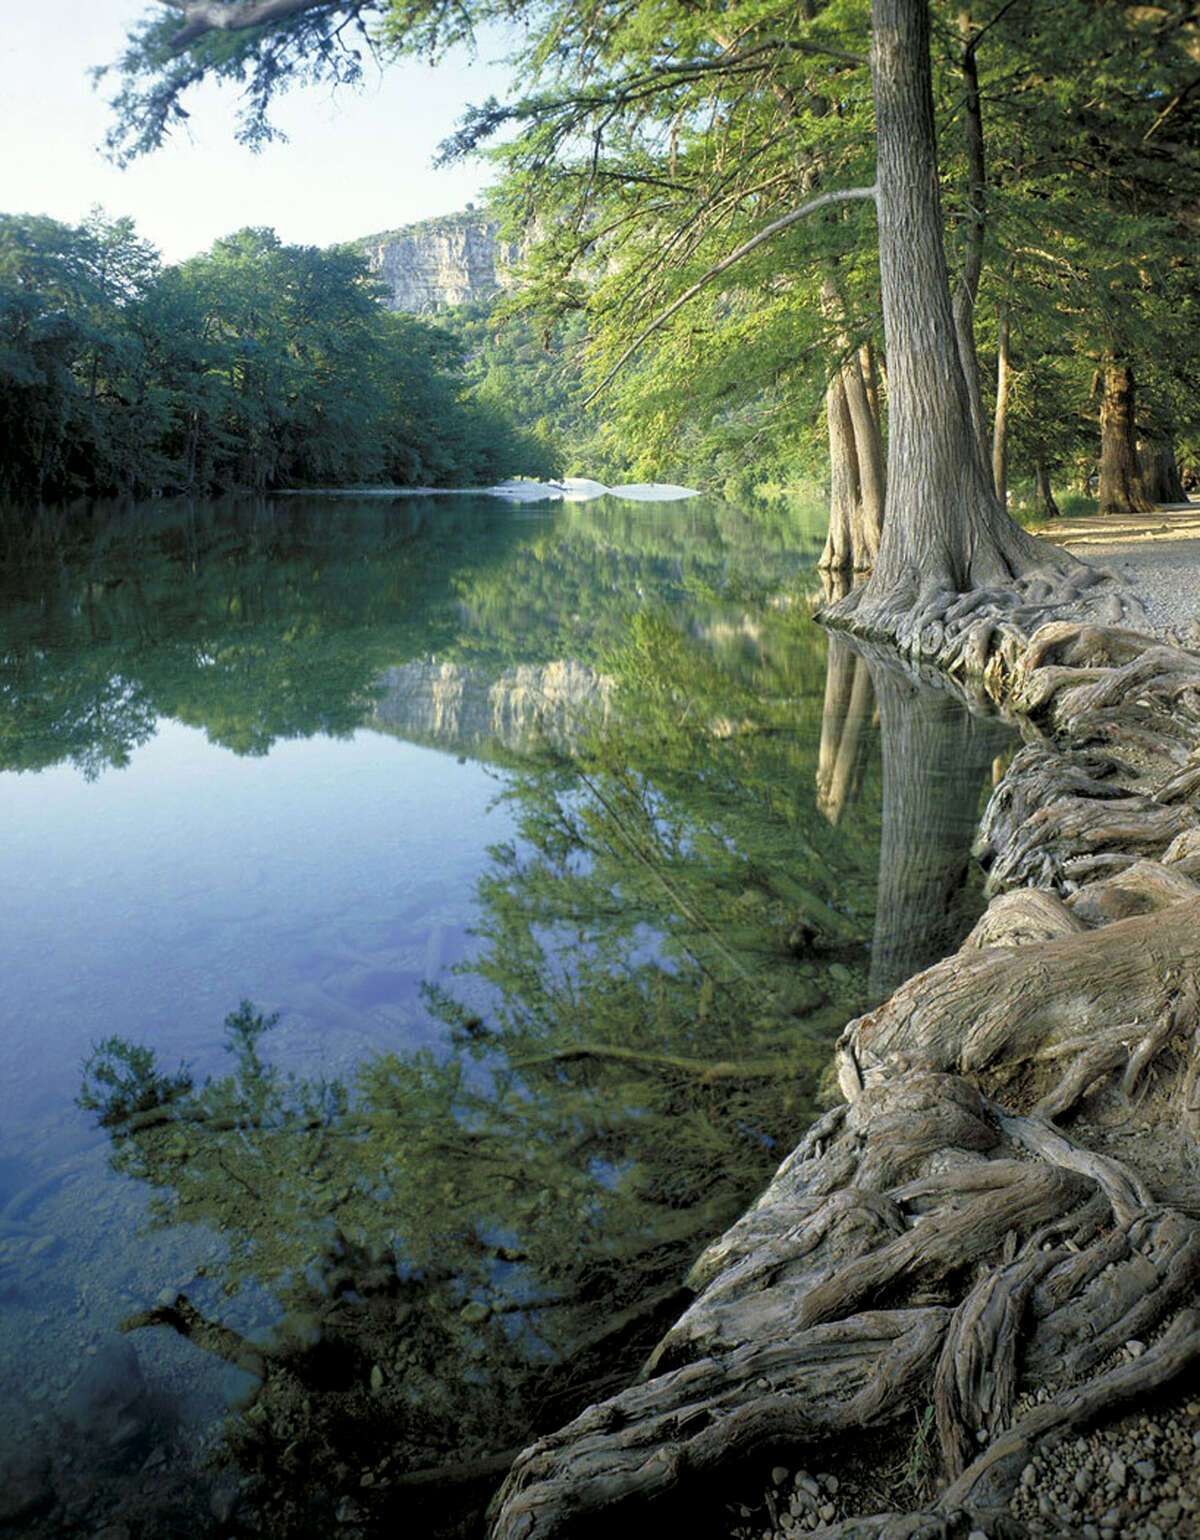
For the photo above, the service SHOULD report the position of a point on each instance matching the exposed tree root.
(983, 630)
(1011, 1193)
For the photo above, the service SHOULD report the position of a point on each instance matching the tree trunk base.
(1003, 1221)
(984, 630)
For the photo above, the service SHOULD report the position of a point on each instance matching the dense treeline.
(1068, 140)
(514, 362)
(255, 365)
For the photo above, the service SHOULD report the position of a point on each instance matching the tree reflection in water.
(938, 757)
(468, 1248)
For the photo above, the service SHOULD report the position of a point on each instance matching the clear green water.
(544, 847)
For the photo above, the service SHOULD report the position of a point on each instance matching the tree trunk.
(944, 531)
(1045, 491)
(852, 420)
(967, 292)
(951, 1238)
(1121, 487)
(868, 448)
(1000, 421)
(1160, 471)
(870, 373)
(844, 486)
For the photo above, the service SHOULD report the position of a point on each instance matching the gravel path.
(1157, 556)
(1165, 575)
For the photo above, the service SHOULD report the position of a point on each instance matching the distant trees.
(253, 366)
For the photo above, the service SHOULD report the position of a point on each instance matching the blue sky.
(355, 163)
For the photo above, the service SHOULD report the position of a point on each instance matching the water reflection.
(468, 1247)
(938, 756)
(413, 1231)
(845, 719)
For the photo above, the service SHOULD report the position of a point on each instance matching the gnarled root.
(949, 1238)
(986, 629)
(1015, 1258)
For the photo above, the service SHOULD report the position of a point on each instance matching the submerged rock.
(109, 1403)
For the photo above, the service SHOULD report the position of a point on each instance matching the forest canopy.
(254, 366)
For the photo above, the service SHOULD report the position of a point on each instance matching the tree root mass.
(1003, 1221)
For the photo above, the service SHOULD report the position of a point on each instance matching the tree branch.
(203, 16)
(845, 195)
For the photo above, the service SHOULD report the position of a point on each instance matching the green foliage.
(121, 1079)
(468, 1247)
(647, 142)
(256, 365)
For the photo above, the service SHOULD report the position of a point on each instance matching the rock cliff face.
(453, 260)
(467, 709)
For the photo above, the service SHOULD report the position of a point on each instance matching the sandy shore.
(1156, 555)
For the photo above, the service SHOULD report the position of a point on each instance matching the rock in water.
(109, 1403)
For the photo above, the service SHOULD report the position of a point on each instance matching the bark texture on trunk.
(1000, 421)
(844, 486)
(857, 478)
(868, 449)
(966, 294)
(1121, 486)
(944, 531)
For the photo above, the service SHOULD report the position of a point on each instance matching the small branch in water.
(658, 1062)
(223, 1341)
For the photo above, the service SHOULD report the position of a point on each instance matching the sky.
(356, 162)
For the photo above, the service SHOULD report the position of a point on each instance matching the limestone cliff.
(453, 260)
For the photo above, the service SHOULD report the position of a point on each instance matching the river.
(423, 926)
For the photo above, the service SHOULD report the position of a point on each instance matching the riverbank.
(969, 1272)
(1138, 1476)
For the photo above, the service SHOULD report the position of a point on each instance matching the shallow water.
(542, 844)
